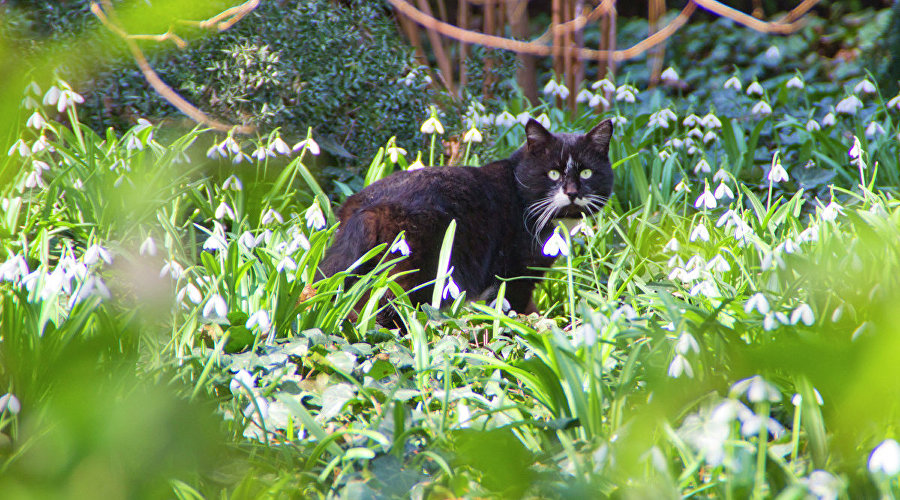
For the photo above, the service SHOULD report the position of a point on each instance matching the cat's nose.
(571, 191)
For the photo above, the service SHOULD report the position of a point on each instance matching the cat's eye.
(554, 175)
(586, 174)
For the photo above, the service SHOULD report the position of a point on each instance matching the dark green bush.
(340, 68)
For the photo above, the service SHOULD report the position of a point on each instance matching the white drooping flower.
(505, 119)
(699, 233)
(472, 135)
(679, 366)
(310, 145)
(604, 85)
(669, 75)
(706, 200)
(803, 313)
(261, 319)
(829, 120)
(874, 129)
(718, 264)
(9, 402)
(777, 173)
(757, 301)
(148, 246)
(755, 89)
(761, 108)
(584, 95)
(702, 166)
(812, 126)
(733, 83)
(279, 146)
(864, 87)
(849, 105)
(314, 217)
(722, 191)
(885, 458)
(757, 390)
(400, 246)
(224, 209)
(686, 343)
(215, 309)
(795, 83)
(451, 289)
(555, 245)
(772, 55)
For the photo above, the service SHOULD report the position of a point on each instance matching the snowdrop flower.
(687, 343)
(36, 121)
(604, 85)
(797, 400)
(394, 152)
(722, 191)
(95, 253)
(400, 246)
(19, 147)
(669, 75)
(700, 232)
(625, 94)
(823, 485)
(874, 129)
(849, 105)
(672, 246)
(216, 240)
(551, 88)
(582, 228)
(40, 144)
(523, 117)
(598, 100)
(691, 120)
(148, 246)
(68, 97)
(772, 55)
(432, 125)
(222, 210)
(134, 142)
(505, 119)
(619, 120)
(710, 137)
(679, 366)
(829, 120)
(544, 120)
(761, 108)
(695, 133)
(9, 402)
(286, 264)
(279, 146)
(314, 217)
(777, 173)
(733, 83)
(309, 144)
(812, 126)
(682, 186)
(661, 118)
(173, 269)
(233, 183)
(555, 245)
(259, 318)
(191, 292)
(271, 215)
(707, 288)
(261, 153)
(809, 234)
(752, 424)
(34, 180)
(794, 83)
(757, 390)
(247, 240)
(706, 200)
(416, 165)
(215, 309)
(720, 176)
(52, 96)
(831, 211)
(702, 166)
(864, 87)
(463, 415)
(584, 96)
(854, 151)
(757, 301)
(755, 89)
(803, 313)
(718, 264)
(242, 380)
(451, 288)
(885, 458)
(894, 102)
(472, 135)
(710, 121)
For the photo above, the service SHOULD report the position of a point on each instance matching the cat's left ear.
(600, 135)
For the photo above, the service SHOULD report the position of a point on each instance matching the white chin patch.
(561, 200)
(581, 202)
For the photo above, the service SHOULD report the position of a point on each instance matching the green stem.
(431, 151)
(759, 484)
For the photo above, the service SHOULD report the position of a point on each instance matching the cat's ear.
(537, 135)
(600, 135)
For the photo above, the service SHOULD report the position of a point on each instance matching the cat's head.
(564, 175)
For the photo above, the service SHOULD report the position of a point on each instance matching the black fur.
(501, 211)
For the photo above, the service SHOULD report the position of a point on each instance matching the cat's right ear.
(537, 136)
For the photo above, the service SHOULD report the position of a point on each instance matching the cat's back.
(443, 189)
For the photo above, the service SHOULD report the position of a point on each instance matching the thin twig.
(156, 82)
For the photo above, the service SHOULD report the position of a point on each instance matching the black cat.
(502, 212)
